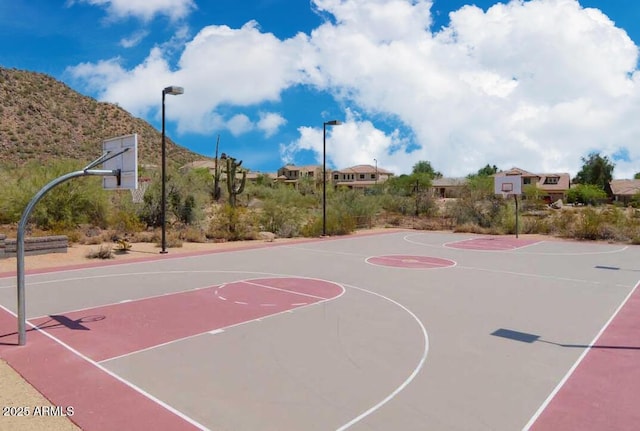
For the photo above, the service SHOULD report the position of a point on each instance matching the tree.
(424, 167)
(487, 171)
(596, 170)
(636, 176)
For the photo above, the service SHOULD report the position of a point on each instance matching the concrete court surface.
(403, 330)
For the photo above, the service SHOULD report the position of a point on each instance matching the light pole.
(324, 172)
(173, 90)
(376, 160)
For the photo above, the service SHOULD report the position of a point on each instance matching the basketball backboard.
(127, 162)
(508, 185)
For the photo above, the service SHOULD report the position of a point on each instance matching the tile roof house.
(447, 187)
(360, 176)
(292, 174)
(553, 186)
(624, 190)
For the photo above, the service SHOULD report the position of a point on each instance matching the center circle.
(412, 262)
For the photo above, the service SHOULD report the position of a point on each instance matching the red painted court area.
(492, 243)
(602, 393)
(114, 330)
(74, 343)
(408, 261)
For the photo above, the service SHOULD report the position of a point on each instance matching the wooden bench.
(34, 245)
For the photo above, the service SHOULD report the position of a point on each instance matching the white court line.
(115, 376)
(553, 393)
(537, 253)
(531, 275)
(124, 301)
(433, 266)
(408, 380)
(314, 250)
(404, 257)
(224, 328)
(284, 290)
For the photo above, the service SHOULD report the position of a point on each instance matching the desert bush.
(232, 224)
(337, 223)
(104, 252)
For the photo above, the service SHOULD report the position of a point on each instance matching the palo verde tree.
(596, 170)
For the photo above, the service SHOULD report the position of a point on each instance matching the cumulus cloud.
(270, 122)
(143, 9)
(535, 84)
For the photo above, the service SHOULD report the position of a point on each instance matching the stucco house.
(292, 174)
(552, 186)
(624, 190)
(447, 187)
(360, 176)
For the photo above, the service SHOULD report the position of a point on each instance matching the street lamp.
(324, 172)
(173, 90)
(376, 160)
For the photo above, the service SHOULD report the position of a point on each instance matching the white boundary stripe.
(408, 239)
(285, 290)
(544, 277)
(409, 379)
(546, 402)
(115, 376)
(224, 328)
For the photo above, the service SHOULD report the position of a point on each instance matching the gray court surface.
(400, 349)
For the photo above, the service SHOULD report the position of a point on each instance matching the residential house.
(624, 190)
(292, 174)
(552, 186)
(447, 187)
(360, 176)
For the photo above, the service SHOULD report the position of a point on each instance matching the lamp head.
(333, 123)
(173, 90)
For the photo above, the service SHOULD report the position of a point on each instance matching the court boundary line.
(122, 380)
(499, 237)
(275, 275)
(190, 254)
(575, 366)
(531, 275)
(225, 328)
(408, 239)
(409, 379)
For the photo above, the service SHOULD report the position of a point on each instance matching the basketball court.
(399, 330)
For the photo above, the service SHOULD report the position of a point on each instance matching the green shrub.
(586, 194)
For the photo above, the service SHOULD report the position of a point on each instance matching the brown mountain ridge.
(42, 119)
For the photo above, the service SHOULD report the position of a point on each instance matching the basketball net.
(137, 195)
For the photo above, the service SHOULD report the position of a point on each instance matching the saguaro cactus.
(216, 174)
(234, 187)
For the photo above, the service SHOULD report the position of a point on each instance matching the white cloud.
(239, 124)
(134, 39)
(535, 84)
(143, 9)
(270, 122)
(354, 142)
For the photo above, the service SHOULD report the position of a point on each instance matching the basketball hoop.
(506, 189)
(137, 194)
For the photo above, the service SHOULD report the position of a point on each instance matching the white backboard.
(508, 185)
(127, 162)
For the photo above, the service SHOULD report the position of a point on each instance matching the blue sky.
(536, 84)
